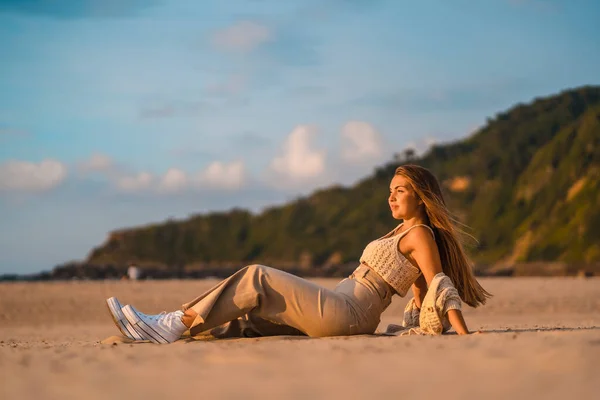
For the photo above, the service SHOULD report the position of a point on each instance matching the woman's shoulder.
(418, 237)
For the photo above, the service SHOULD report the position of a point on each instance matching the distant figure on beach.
(133, 273)
(423, 250)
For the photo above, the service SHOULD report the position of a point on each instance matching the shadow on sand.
(204, 338)
(540, 329)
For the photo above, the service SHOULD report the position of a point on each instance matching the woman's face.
(403, 200)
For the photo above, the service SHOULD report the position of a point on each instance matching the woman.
(424, 245)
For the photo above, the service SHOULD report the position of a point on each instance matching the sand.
(541, 339)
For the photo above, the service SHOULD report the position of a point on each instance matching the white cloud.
(174, 180)
(222, 175)
(243, 36)
(217, 175)
(360, 142)
(299, 160)
(97, 162)
(31, 177)
(134, 183)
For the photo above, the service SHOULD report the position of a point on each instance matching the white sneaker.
(114, 307)
(161, 328)
(138, 312)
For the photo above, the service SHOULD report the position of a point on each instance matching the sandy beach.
(541, 339)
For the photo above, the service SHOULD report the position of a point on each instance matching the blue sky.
(118, 113)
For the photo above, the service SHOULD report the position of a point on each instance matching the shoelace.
(156, 317)
(171, 320)
(167, 319)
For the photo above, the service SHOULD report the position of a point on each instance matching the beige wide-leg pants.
(279, 303)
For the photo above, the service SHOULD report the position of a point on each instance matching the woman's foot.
(114, 308)
(161, 328)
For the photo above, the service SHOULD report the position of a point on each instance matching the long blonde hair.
(455, 263)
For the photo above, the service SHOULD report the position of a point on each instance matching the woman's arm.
(421, 247)
(419, 289)
(458, 322)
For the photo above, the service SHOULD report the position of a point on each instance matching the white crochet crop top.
(382, 255)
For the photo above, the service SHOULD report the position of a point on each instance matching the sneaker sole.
(152, 334)
(114, 308)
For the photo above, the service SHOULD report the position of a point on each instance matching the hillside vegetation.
(527, 184)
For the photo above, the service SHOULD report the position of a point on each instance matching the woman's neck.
(409, 222)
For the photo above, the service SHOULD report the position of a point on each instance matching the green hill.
(526, 183)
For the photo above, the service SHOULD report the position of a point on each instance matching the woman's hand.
(458, 322)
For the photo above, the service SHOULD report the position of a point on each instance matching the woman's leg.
(251, 326)
(275, 296)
